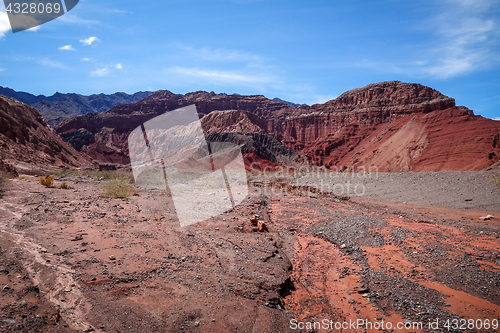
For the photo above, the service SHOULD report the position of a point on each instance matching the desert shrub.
(57, 172)
(118, 188)
(497, 179)
(63, 186)
(46, 181)
(105, 174)
(22, 177)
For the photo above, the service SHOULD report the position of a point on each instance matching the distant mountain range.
(392, 126)
(290, 104)
(59, 107)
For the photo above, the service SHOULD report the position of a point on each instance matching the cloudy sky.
(301, 51)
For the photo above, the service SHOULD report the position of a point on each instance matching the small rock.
(197, 323)
(487, 217)
(343, 246)
(77, 238)
(261, 226)
(363, 291)
(112, 257)
(253, 220)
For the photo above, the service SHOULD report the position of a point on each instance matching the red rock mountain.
(394, 126)
(104, 136)
(27, 143)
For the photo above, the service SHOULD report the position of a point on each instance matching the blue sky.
(301, 51)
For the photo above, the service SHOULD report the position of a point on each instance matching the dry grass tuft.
(63, 186)
(497, 179)
(46, 181)
(118, 188)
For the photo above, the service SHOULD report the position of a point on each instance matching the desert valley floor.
(412, 249)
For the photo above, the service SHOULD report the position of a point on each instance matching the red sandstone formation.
(394, 126)
(28, 144)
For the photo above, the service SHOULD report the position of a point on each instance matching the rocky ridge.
(28, 144)
(59, 107)
(394, 126)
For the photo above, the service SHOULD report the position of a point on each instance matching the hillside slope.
(27, 144)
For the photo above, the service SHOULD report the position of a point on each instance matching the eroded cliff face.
(28, 144)
(394, 126)
(111, 129)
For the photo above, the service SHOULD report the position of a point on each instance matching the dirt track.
(82, 263)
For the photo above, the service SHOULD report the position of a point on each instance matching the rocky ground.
(73, 261)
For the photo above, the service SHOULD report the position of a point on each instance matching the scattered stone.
(363, 290)
(261, 226)
(487, 217)
(112, 257)
(253, 220)
(343, 246)
(77, 238)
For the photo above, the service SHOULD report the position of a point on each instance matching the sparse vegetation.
(118, 188)
(63, 186)
(46, 181)
(22, 177)
(57, 172)
(497, 179)
(103, 175)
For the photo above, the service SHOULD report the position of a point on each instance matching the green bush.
(118, 188)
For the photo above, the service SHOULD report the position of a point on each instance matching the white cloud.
(228, 77)
(51, 63)
(85, 59)
(4, 24)
(223, 55)
(89, 41)
(70, 18)
(461, 39)
(465, 37)
(496, 118)
(67, 48)
(2, 69)
(118, 66)
(100, 72)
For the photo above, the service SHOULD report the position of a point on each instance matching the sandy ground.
(72, 261)
(456, 189)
